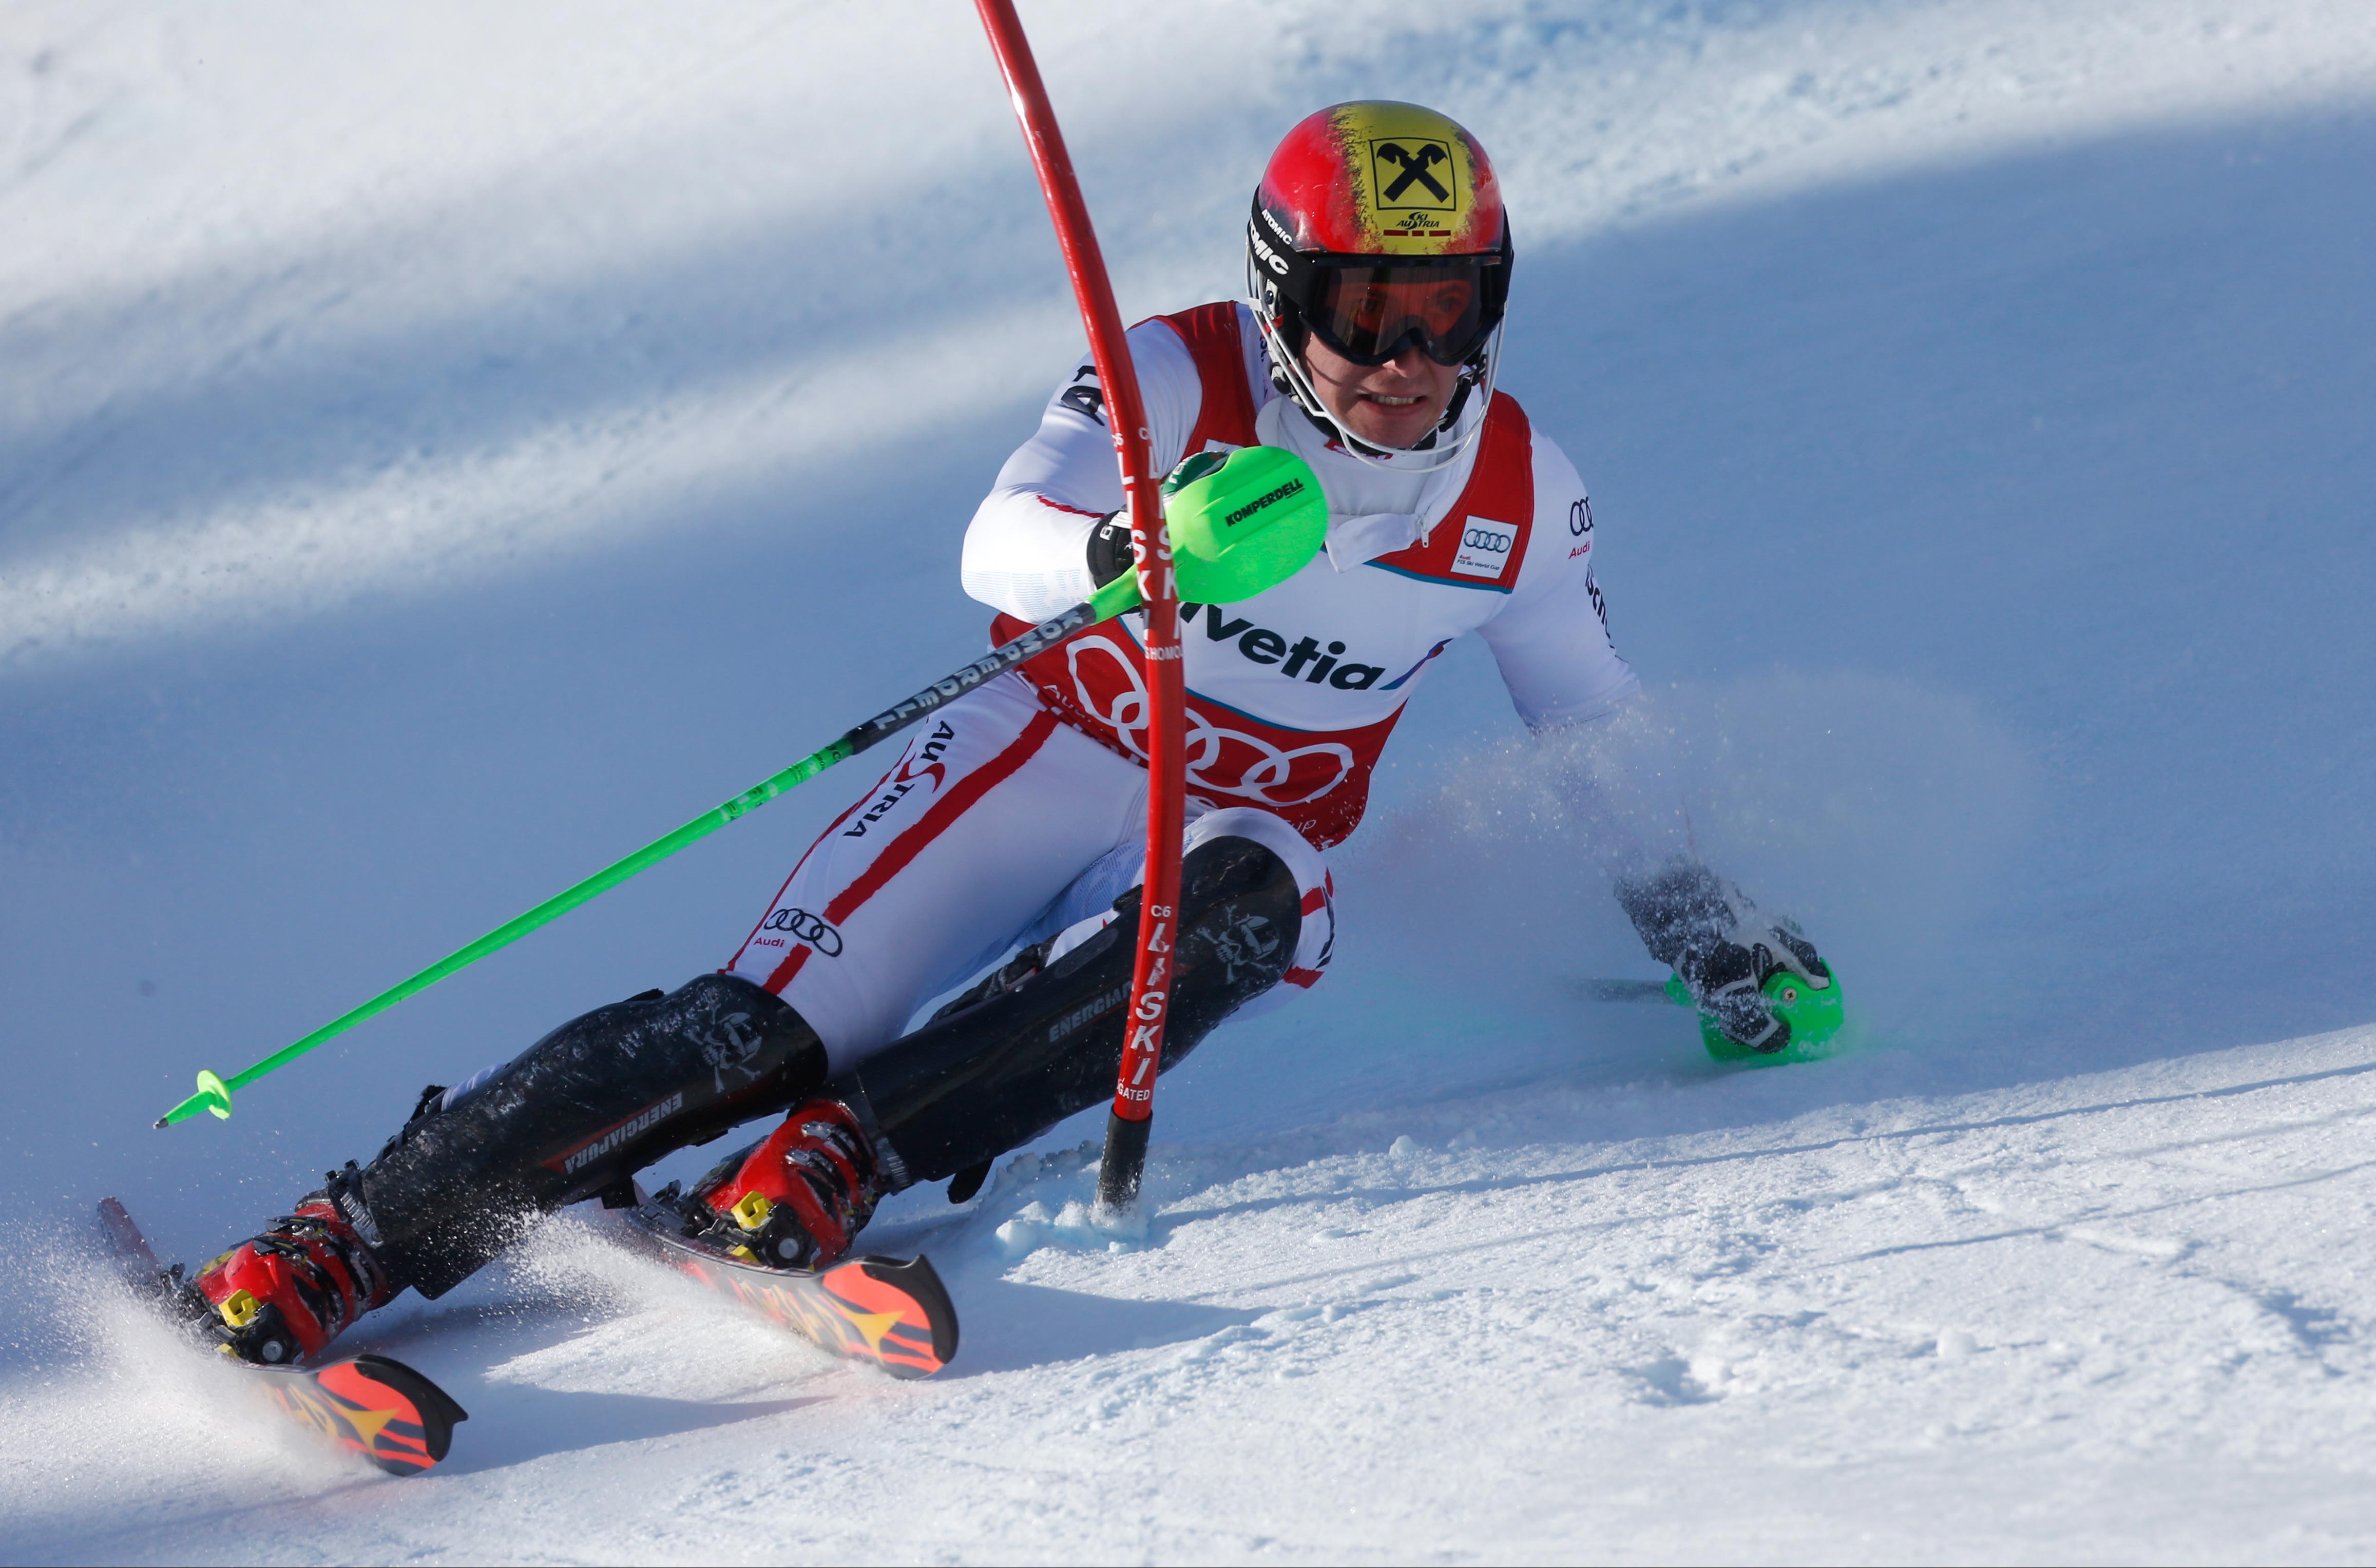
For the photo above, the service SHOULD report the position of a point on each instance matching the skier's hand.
(1241, 522)
(1728, 981)
(1111, 549)
(1723, 949)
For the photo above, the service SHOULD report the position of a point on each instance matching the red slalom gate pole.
(1150, 987)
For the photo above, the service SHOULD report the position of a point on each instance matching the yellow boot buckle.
(753, 1211)
(239, 1308)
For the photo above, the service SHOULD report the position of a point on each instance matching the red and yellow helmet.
(1379, 227)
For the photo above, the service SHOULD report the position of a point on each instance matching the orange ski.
(896, 1314)
(367, 1405)
(372, 1406)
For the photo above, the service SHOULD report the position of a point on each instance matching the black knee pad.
(974, 1083)
(576, 1115)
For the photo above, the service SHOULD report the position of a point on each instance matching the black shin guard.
(576, 1115)
(974, 1083)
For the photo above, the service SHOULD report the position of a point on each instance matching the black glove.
(1111, 552)
(1711, 935)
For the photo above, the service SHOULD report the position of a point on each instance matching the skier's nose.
(1402, 372)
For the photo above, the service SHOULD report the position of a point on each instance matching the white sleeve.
(1027, 549)
(1603, 743)
(1551, 638)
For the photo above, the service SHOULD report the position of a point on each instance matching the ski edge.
(829, 1307)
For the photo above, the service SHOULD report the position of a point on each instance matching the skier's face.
(1393, 404)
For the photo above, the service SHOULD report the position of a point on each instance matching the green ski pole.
(214, 1093)
(1232, 549)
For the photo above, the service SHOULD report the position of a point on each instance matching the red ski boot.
(282, 1297)
(800, 1199)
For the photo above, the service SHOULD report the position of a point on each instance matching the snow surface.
(442, 447)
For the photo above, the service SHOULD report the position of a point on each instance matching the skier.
(1009, 838)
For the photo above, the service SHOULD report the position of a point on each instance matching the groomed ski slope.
(2110, 1316)
(440, 450)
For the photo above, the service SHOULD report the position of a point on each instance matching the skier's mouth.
(1384, 402)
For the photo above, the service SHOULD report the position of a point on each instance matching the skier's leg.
(992, 811)
(1028, 1050)
(1253, 913)
(575, 1114)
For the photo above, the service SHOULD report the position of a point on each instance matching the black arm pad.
(1110, 551)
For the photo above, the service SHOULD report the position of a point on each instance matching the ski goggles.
(1372, 313)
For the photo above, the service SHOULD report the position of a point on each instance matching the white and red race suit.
(1018, 813)
(1292, 694)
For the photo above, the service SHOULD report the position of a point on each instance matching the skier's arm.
(1572, 690)
(1551, 636)
(1026, 552)
(1611, 755)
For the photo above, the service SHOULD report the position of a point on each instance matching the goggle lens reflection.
(1372, 313)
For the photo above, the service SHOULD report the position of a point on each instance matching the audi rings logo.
(1579, 518)
(1486, 540)
(805, 927)
(1227, 762)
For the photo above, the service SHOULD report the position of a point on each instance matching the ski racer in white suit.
(1010, 832)
(1368, 352)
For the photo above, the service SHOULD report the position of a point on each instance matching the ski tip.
(124, 1240)
(891, 1311)
(161, 1122)
(917, 1280)
(386, 1412)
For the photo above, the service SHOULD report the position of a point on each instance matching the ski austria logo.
(805, 927)
(1485, 547)
(923, 764)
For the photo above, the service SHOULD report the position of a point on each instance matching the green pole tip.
(215, 1094)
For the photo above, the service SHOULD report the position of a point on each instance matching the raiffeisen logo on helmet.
(1396, 179)
(1417, 173)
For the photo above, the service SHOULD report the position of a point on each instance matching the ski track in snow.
(2107, 1317)
(443, 448)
